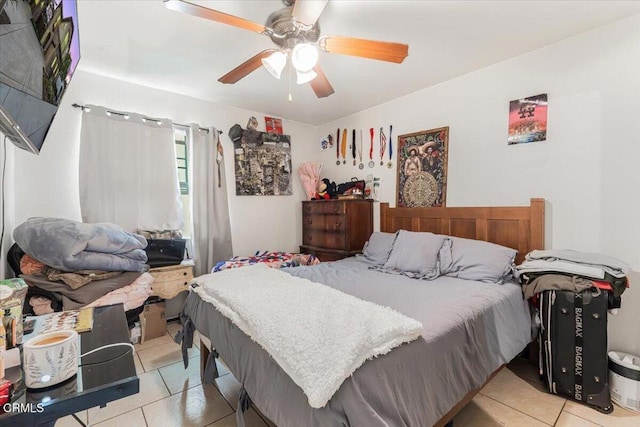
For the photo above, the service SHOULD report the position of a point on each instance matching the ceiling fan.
(296, 32)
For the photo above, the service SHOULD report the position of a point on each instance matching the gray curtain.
(211, 237)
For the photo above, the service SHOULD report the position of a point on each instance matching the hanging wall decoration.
(422, 168)
(263, 164)
(273, 125)
(528, 119)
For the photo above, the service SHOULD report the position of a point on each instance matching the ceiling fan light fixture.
(303, 77)
(304, 57)
(275, 63)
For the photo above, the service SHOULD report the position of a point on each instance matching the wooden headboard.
(517, 227)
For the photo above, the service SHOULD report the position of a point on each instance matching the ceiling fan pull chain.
(290, 75)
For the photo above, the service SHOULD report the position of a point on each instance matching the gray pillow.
(478, 260)
(416, 254)
(377, 249)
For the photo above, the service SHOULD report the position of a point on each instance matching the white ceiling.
(143, 42)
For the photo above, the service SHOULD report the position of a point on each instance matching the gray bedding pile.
(71, 246)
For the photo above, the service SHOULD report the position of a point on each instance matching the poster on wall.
(273, 125)
(528, 119)
(262, 164)
(422, 168)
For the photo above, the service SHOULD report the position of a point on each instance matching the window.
(180, 136)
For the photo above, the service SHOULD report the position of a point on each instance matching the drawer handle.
(184, 273)
(336, 208)
(309, 238)
(309, 221)
(307, 208)
(185, 283)
(338, 224)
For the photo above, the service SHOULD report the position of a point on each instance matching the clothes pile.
(82, 262)
(271, 259)
(565, 269)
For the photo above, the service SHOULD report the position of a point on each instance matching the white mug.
(50, 358)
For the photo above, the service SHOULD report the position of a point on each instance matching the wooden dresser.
(335, 229)
(170, 281)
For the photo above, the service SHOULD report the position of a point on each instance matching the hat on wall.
(235, 133)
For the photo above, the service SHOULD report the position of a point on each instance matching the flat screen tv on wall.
(39, 52)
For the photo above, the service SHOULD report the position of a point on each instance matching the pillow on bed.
(377, 249)
(478, 260)
(417, 253)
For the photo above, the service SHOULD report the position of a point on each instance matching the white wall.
(47, 184)
(587, 169)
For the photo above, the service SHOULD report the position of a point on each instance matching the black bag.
(346, 187)
(163, 252)
(573, 346)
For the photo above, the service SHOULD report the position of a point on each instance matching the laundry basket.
(624, 379)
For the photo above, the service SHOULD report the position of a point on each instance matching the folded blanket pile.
(71, 246)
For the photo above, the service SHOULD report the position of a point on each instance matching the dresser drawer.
(313, 222)
(335, 223)
(312, 208)
(323, 240)
(334, 208)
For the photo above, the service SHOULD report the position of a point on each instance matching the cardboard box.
(153, 321)
(12, 295)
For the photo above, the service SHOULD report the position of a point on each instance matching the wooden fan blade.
(307, 12)
(383, 51)
(320, 84)
(214, 15)
(246, 68)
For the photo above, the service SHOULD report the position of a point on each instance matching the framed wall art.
(528, 119)
(263, 164)
(422, 168)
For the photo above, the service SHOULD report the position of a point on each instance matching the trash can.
(624, 379)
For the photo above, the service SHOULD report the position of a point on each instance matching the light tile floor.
(171, 395)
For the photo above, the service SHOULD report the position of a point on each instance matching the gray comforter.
(71, 246)
(470, 329)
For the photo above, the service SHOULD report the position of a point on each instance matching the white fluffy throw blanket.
(318, 335)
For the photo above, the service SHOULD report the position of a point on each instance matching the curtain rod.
(83, 107)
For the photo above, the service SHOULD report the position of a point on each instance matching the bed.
(471, 330)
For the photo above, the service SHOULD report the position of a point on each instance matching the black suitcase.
(573, 346)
